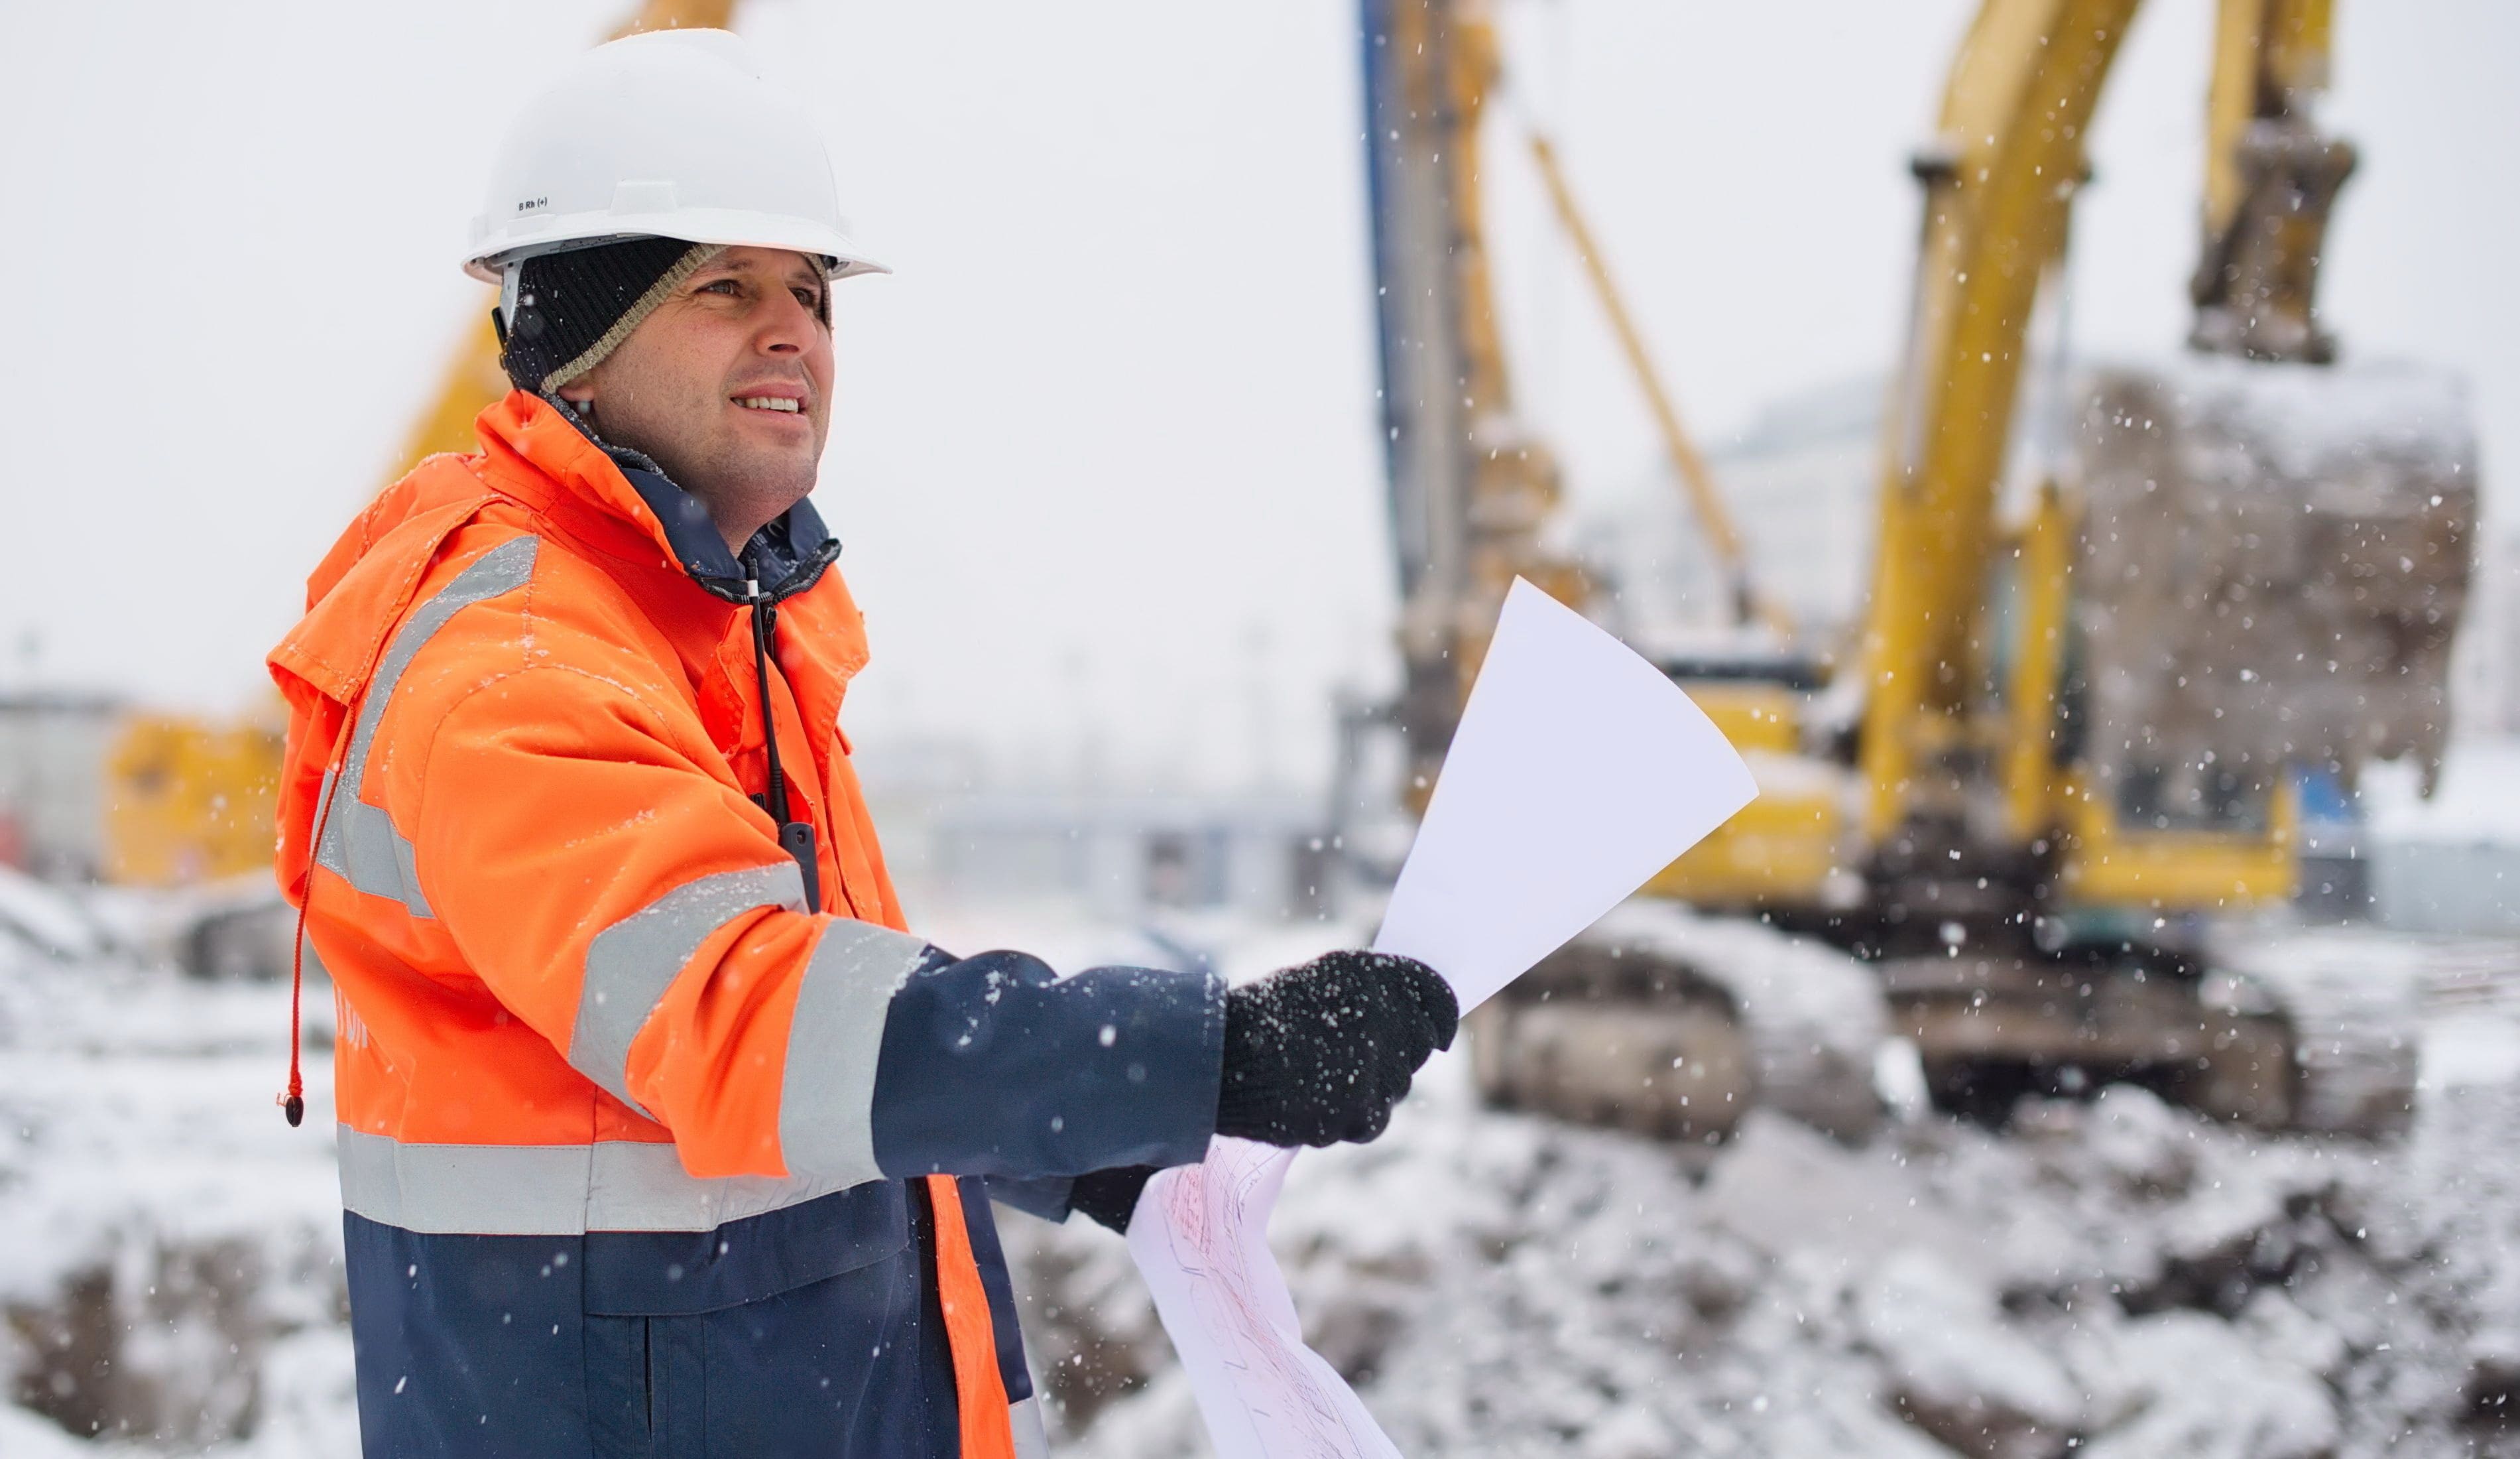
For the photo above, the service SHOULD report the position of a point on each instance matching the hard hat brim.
(731, 227)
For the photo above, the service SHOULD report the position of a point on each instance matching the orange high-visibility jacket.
(584, 1009)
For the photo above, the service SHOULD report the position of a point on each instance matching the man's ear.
(577, 392)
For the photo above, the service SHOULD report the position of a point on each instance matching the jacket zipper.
(796, 838)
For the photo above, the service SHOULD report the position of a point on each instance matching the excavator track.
(2299, 1034)
(2354, 1016)
(1993, 1023)
(1666, 1023)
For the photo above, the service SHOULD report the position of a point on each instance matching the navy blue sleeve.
(993, 1066)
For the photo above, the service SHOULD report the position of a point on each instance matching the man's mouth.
(770, 402)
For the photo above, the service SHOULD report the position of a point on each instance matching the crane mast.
(1469, 488)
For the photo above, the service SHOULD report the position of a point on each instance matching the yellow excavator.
(2069, 732)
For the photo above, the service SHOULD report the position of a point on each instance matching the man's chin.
(770, 482)
(777, 475)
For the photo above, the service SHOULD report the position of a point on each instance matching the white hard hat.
(669, 134)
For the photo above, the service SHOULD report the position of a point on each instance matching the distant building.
(2484, 694)
(1126, 856)
(2450, 864)
(1799, 483)
(53, 747)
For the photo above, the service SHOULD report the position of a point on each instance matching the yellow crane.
(2079, 718)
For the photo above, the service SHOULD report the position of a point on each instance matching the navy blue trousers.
(819, 1336)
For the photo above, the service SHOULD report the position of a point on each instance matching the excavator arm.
(2270, 180)
(1999, 179)
(2081, 731)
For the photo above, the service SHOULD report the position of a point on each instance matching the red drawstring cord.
(293, 1104)
(293, 1101)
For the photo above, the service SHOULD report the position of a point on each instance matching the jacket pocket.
(842, 1367)
(679, 1273)
(620, 1413)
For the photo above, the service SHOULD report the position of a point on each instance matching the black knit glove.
(1111, 1197)
(1320, 1053)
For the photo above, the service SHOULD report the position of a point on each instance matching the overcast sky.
(1105, 459)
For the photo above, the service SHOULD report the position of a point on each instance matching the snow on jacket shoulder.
(581, 998)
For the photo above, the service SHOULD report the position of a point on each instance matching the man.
(659, 1133)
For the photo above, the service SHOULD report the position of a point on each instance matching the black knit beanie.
(576, 308)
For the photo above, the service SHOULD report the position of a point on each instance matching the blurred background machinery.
(2115, 616)
(93, 790)
(96, 790)
(188, 799)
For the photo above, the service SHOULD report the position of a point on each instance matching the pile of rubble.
(171, 1272)
(2119, 1277)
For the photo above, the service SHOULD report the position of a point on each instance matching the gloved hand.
(1111, 1197)
(1320, 1053)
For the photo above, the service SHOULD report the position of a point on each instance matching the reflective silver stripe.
(360, 843)
(826, 1094)
(631, 964)
(549, 1190)
(1033, 1440)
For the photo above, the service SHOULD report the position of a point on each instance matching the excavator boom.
(1999, 178)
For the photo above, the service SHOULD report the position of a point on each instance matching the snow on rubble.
(2116, 1278)
(2119, 1277)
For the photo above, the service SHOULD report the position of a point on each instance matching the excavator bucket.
(2273, 559)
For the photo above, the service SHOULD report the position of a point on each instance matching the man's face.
(727, 385)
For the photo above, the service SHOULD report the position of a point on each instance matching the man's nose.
(790, 326)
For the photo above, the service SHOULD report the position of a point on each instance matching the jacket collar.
(784, 557)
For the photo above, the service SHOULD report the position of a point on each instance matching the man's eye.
(722, 286)
(812, 300)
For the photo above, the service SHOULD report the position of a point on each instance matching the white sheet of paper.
(1579, 770)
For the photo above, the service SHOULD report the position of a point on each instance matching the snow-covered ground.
(169, 1249)
(2117, 1278)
